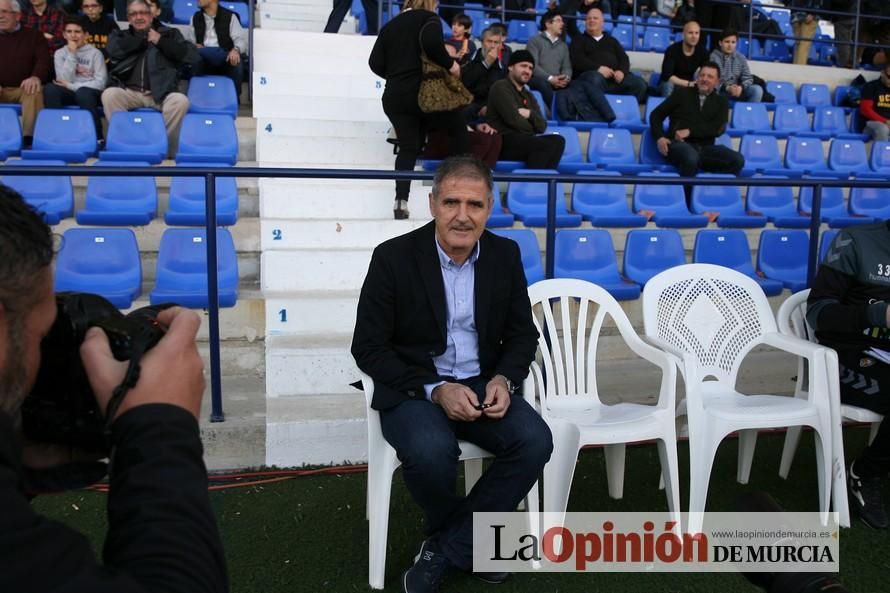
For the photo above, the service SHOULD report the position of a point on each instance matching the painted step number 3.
(276, 234)
(283, 315)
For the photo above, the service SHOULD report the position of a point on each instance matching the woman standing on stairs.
(396, 58)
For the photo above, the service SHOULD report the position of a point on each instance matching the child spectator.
(97, 25)
(736, 81)
(461, 26)
(875, 106)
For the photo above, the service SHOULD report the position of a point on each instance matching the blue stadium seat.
(10, 133)
(65, 134)
(783, 91)
(730, 249)
(544, 110)
(649, 154)
(119, 201)
(825, 242)
(476, 12)
(627, 113)
(207, 137)
(589, 255)
(625, 36)
(833, 210)
(213, 94)
(749, 118)
(136, 136)
(101, 261)
(777, 204)
(666, 204)
(831, 122)
(754, 45)
(183, 11)
(527, 201)
(840, 94)
(182, 269)
(724, 140)
(776, 50)
(849, 156)
(498, 217)
(804, 155)
(187, 199)
(520, 31)
(870, 201)
(613, 149)
(529, 250)
(572, 156)
(649, 252)
(651, 104)
(654, 81)
(604, 204)
(782, 256)
(52, 196)
(790, 118)
(761, 154)
(725, 201)
(656, 39)
(241, 9)
(880, 157)
(814, 95)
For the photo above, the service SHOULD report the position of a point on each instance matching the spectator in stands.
(97, 25)
(736, 82)
(684, 12)
(161, 530)
(600, 63)
(698, 116)
(515, 114)
(80, 74)
(49, 20)
(145, 60)
(804, 24)
(437, 382)
(485, 68)
(161, 9)
(571, 9)
(341, 7)
(844, 25)
(847, 308)
(645, 8)
(396, 58)
(553, 67)
(221, 41)
(875, 106)
(681, 60)
(461, 28)
(24, 66)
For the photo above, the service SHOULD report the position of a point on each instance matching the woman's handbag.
(439, 91)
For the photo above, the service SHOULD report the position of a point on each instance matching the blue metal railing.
(210, 174)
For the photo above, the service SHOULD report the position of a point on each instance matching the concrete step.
(319, 53)
(245, 321)
(355, 82)
(319, 106)
(309, 365)
(321, 234)
(311, 313)
(240, 441)
(313, 269)
(323, 150)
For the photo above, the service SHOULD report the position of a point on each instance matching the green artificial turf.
(309, 534)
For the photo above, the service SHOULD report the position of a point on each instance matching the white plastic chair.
(569, 315)
(710, 317)
(792, 321)
(382, 462)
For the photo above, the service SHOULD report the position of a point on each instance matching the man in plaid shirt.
(49, 20)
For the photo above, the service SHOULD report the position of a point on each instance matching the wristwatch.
(511, 386)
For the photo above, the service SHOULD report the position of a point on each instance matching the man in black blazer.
(444, 328)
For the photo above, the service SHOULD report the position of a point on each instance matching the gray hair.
(132, 2)
(465, 166)
(14, 5)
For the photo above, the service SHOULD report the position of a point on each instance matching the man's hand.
(71, 46)
(171, 373)
(491, 56)
(48, 36)
(455, 69)
(663, 145)
(734, 90)
(484, 128)
(498, 396)
(199, 45)
(31, 85)
(153, 36)
(458, 401)
(559, 81)
(682, 135)
(618, 75)
(234, 57)
(606, 71)
(525, 112)
(62, 83)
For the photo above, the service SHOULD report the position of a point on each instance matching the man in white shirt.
(221, 41)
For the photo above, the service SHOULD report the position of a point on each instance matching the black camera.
(61, 407)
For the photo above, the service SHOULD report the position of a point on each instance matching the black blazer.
(705, 122)
(400, 323)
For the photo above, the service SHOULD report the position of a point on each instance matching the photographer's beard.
(14, 386)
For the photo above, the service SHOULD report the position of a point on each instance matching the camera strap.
(117, 396)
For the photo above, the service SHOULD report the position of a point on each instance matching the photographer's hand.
(171, 372)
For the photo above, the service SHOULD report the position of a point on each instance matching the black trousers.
(56, 96)
(538, 152)
(865, 382)
(341, 7)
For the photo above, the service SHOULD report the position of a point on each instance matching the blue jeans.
(689, 159)
(213, 61)
(752, 94)
(425, 440)
(596, 87)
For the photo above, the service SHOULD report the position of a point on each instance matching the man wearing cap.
(514, 112)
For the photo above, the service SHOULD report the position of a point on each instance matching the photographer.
(162, 533)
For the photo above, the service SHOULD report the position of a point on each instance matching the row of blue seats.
(69, 135)
(124, 200)
(606, 205)
(828, 121)
(590, 255)
(107, 262)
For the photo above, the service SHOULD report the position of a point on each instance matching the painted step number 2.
(276, 234)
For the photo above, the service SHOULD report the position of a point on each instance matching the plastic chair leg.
(747, 444)
(380, 472)
(701, 459)
(792, 438)
(472, 473)
(615, 456)
(873, 431)
(558, 473)
(670, 476)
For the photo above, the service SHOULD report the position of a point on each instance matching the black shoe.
(27, 142)
(492, 578)
(866, 499)
(400, 210)
(429, 570)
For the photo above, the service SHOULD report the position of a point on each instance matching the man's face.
(74, 34)
(521, 72)
(458, 30)
(139, 16)
(707, 79)
(461, 208)
(92, 9)
(593, 23)
(556, 26)
(691, 34)
(727, 44)
(8, 18)
(491, 42)
(20, 345)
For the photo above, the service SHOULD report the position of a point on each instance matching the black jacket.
(705, 122)
(589, 54)
(221, 24)
(478, 78)
(162, 533)
(400, 322)
(164, 58)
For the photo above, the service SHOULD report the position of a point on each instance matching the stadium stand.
(777, 204)
(100, 261)
(188, 198)
(730, 248)
(665, 204)
(182, 269)
(604, 205)
(527, 201)
(649, 252)
(10, 133)
(590, 255)
(51, 195)
(724, 201)
(64, 134)
(529, 251)
(124, 200)
(206, 137)
(136, 136)
(782, 256)
(213, 94)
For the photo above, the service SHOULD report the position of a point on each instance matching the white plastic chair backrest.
(569, 315)
(375, 432)
(792, 321)
(712, 314)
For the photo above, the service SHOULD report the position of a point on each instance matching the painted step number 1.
(283, 315)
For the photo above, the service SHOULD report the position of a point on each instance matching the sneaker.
(400, 210)
(867, 499)
(492, 578)
(429, 570)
